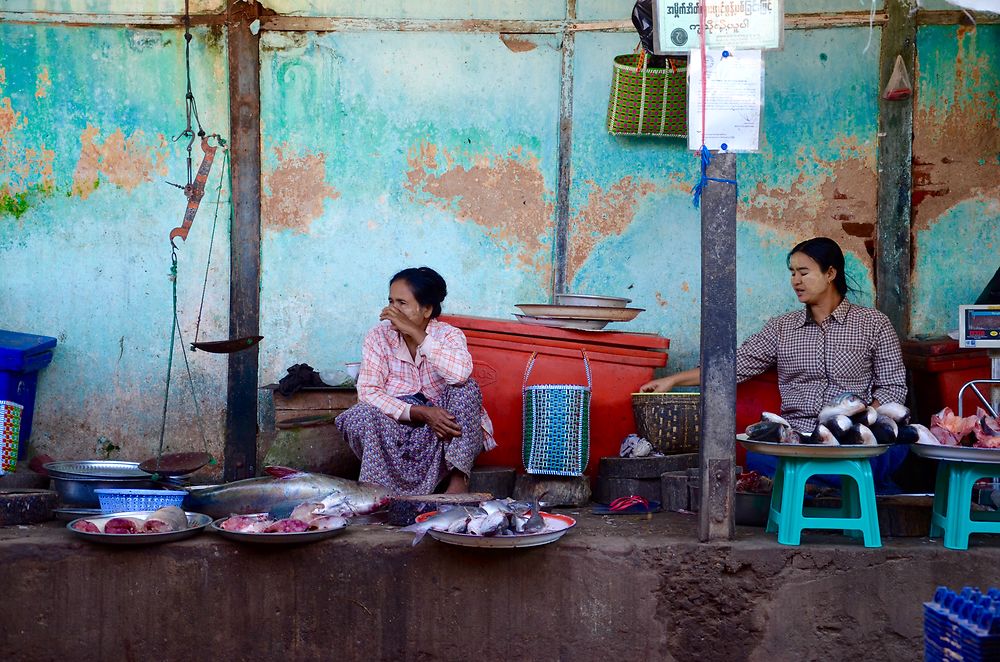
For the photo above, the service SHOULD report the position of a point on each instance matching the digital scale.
(979, 328)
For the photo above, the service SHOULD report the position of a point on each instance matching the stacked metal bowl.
(588, 312)
(76, 480)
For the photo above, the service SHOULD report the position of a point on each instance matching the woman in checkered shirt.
(420, 422)
(828, 347)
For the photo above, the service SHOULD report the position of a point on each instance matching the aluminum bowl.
(80, 491)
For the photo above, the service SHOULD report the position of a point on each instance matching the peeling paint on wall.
(25, 168)
(956, 172)
(124, 162)
(838, 200)
(295, 191)
(505, 195)
(957, 147)
(607, 212)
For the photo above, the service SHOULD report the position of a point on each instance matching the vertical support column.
(895, 175)
(561, 238)
(244, 270)
(718, 351)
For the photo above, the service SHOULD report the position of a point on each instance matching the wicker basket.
(647, 101)
(670, 421)
(556, 437)
(127, 500)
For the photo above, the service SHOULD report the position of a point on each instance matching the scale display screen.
(979, 326)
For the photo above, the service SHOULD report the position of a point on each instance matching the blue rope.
(706, 158)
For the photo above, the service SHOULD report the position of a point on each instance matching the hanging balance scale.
(180, 464)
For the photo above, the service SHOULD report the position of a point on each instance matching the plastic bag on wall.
(642, 19)
(899, 86)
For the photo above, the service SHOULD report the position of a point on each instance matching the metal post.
(240, 451)
(718, 351)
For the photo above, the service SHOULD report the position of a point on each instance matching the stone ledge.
(615, 587)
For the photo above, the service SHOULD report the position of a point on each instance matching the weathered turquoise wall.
(387, 151)
(956, 172)
(87, 117)
(434, 143)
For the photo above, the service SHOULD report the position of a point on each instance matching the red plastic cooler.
(619, 362)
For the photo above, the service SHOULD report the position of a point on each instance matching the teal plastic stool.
(952, 516)
(856, 516)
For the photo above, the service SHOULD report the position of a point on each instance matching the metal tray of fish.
(556, 527)
(196, 522)
(76, 469)
(275, 538)
(810, 450)
(958, 453)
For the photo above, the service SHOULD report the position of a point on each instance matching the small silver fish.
(440, 521)
(487, 525)
(535, 523)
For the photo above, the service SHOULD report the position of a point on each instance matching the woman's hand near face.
(403, 324)
(444, 424)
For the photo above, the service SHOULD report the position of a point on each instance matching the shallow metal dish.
(580, 312)
(275, 538)
(196, 522)
(810, 450)
(95, 469)
(957, 453)
(591, 300)
(562, 323)
(79, 491)
(556, 527)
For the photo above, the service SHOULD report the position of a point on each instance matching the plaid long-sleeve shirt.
(388, 371)
(854, 350)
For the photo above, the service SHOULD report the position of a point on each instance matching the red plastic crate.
(620, 363)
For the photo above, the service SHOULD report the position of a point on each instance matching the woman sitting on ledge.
(420, 418)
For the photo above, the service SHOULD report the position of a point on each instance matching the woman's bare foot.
(458, 483)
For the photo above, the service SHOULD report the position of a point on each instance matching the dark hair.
(428, 286)
(826, 252)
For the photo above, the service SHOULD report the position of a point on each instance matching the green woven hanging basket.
(647, 101)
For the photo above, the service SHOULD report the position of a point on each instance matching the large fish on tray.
(282, 490)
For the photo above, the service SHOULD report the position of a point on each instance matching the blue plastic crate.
(22, 355)
(962, 626)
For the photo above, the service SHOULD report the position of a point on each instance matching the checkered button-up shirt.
(854, 350)
(389, 372)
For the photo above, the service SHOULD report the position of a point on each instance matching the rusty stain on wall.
(608, 212)
(506, 195)
(43, 83)
(517, 44)
(295, 191)
(124, 162)
(956, 144)
(24, 167)
(839, 201)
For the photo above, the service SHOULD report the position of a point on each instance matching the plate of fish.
(141, 527)
(304, 525)
(809, 450)
(497, 524)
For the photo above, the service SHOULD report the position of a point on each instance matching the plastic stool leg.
(850, 497)
(940, 507)
(869, 509)
(792, 497)
(956, 532)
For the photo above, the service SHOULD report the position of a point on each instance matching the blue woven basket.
(123, 501)
(556, 432)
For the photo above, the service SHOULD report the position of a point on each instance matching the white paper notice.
(732, 100)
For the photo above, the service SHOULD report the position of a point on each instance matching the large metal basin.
(80, 491)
